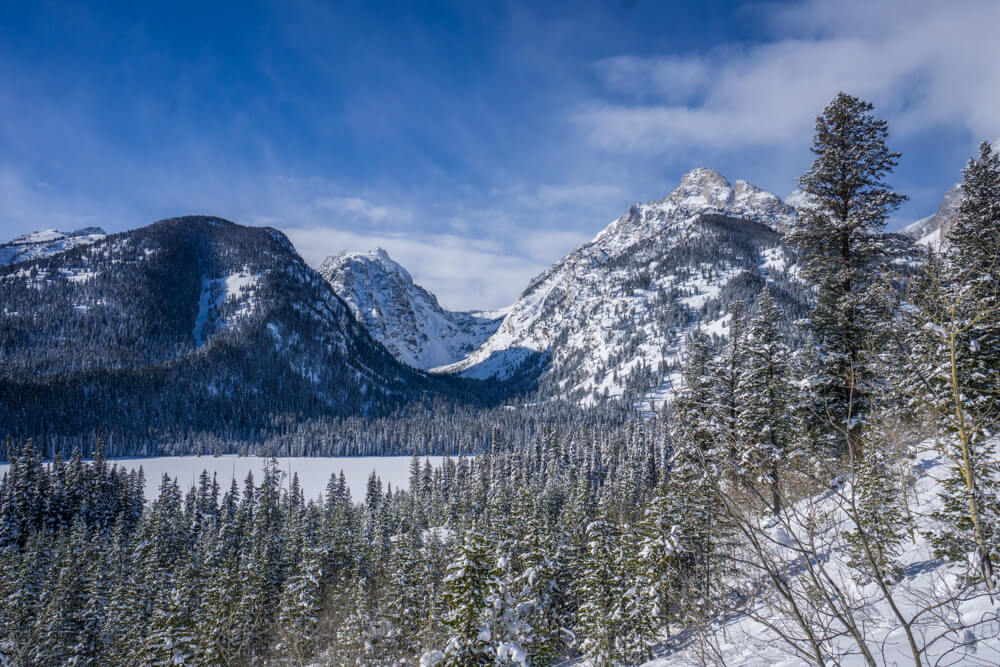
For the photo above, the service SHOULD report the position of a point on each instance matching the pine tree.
(951, 366)
(465, 587)
(763, 390)
(880, 525)
(660, 558)
(632, 608)
(23, 582)
(599, 593)
(63, 600)
(841, 249)
(301, 600)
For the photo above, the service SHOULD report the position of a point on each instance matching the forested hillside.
(188, 326)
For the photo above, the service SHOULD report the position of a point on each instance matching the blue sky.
(476, 141)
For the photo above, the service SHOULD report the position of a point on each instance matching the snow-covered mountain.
(403, 316)
(189, 324)
(612, 316)
(933, 230)
(39, 245)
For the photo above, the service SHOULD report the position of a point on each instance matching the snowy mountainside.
(933, 230)
(197, 323)
(42, 244)
(403, 316)
(611, 318)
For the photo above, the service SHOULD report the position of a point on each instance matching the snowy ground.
(313, 472)
(741, 640)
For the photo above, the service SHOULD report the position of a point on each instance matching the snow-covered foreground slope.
(403, 316)
(964, 631)
(313, 472)
(39, 245)
(617, 310)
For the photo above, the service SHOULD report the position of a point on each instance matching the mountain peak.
(701, 191)
(703, 188)
(403, 316)
(46, 243)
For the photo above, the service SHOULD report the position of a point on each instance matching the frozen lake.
(314, 472)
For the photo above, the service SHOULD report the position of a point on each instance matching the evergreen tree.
(880, 525)
(301, 600)
(841, 250)
(465, 587)
(764, 431)
(950, 366)
(599, 593)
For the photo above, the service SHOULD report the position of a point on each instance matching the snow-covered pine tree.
(545, 613)
(694, 476)
(764, 437)
(880, 524)
(63, 600)
(599, 592)
(951, 366)
(841, 250)
(465, 587)
(23, 580)
(659, 557)
(637, 631)
(92, 645)
(300, 607)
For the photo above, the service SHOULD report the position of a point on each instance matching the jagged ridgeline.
(189, 325)
(611, 319)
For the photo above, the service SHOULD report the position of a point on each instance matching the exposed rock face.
(933, 230)
(403, 316)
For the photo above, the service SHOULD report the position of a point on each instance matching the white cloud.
(924, 65)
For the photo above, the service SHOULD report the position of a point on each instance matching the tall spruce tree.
(841, 245)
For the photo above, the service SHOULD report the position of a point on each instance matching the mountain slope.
(40, 245)
(933, 230)
(611, 318)
(190, 324)
(403, 316)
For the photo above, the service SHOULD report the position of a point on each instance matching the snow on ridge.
(579, 304)
(45, 243)
(215, 292)
(401, 315)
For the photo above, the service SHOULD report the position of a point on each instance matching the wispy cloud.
(924, 64)
(363, 209)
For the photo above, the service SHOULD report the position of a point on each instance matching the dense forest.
(607, 538)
